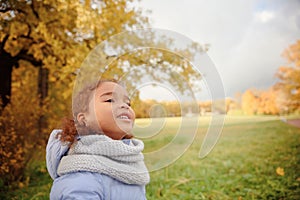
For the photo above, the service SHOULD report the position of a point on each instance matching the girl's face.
(110, 111)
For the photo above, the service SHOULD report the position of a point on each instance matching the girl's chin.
(127, 136)
(119, 135)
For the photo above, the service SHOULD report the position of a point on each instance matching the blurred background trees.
(282, 98)
(289, 80)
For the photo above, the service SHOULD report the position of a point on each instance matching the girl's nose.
(125, 105)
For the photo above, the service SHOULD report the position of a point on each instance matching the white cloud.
(264, 16)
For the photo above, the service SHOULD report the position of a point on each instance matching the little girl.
(94, 155)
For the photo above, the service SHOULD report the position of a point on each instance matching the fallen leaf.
(280, 171)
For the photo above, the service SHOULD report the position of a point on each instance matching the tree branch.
(6, 7)
(4, 10)
(22, 55)
(51, 22)
(33, 10)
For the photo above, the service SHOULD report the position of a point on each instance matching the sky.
(247, 38)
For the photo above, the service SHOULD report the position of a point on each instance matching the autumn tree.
(261, 102)
(55, 35)
(42, 45)
(205, 107)
(267, 102)
(250, 102)
(289, 79)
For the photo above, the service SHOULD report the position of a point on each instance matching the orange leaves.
(280, 171)
(260, 102)
(36, 51)
(17, 29)
(18, 125)
(268, 102)
(284, 97)
(289, 78)
(292, 53)
(249, 102)
(11, 155)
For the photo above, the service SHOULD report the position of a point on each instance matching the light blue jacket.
(85, 185)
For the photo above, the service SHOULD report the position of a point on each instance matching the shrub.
(20, 129)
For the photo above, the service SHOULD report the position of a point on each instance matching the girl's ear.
(81, 119)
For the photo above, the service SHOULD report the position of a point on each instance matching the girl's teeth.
(123, 117)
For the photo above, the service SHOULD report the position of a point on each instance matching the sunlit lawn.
(242, 165)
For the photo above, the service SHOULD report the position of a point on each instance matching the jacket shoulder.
(55, 149)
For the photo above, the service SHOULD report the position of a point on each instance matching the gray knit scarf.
(99, 153)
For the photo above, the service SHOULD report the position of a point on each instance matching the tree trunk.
(43, 83)
(6, 66)
(43, 92)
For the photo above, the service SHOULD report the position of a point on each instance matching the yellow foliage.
(260, 102)
(18, 127)
(249, 102)
(11, 158)
(289, 79)
(55, 35)
(280, 171)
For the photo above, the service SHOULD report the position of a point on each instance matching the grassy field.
(255, 158)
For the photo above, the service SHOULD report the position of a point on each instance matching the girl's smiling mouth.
(125, 116)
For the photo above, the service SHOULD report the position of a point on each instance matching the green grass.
(241, 166)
